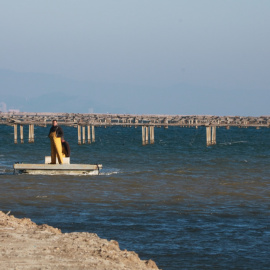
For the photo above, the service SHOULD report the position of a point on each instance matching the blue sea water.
(178, 202)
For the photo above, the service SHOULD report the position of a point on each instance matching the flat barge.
(58, 169)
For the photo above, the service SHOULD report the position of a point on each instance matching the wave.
(109, 171)
(230, 143)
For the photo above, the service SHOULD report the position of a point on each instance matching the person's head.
(62, 139)
(54, 123)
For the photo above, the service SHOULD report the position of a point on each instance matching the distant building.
(3, 107)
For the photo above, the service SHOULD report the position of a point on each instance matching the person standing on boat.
(65, 148)
(55, 135)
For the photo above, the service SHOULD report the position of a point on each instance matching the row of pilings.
(148, 134)
(91, 137)
(87, 122)
(31, 134)
(145, 134)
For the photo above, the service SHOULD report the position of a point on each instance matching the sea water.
(177, 201)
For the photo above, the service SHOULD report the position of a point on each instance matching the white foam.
(109, 172)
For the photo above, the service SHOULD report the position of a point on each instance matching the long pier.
(88, 122)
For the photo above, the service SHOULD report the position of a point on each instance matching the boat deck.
(71, 169)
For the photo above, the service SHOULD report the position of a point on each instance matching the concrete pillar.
(88, 134)
(21, 133)
(208, 136)
(143, 135)
(15, 134)
(152, 134)
(31, 134)
(93, 134)
(214, 132)
(83, 134)
(79, 135)
(211, 136)
(146, 135)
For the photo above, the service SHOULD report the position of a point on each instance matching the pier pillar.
(143, 135)
(211, 136)
(152, 134)
(88, 134)
(146, 135)
(214, 132)
(15, 134)
(79, 135)
(83, 134)
(208, 136)
(93, 134)
(31, 134)
(21, 133)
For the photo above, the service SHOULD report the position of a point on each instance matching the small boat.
(58, 169)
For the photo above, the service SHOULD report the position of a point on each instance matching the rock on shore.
(26, 245)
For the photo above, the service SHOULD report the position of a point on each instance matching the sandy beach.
(26, 245)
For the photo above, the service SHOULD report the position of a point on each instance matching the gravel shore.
(26, 245)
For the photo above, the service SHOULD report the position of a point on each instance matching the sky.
(127, 56)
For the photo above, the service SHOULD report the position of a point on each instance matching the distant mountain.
(45, 92)
(35, 92)
(40, 92)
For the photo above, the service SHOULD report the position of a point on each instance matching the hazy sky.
(209, 44)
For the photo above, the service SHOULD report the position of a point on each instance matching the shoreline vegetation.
(26, 245)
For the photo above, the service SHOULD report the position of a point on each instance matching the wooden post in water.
(15, 134)
(152, 134)
(93, 134)
(88, 134)
(79, 135)
(21, 133)
(83, 134)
